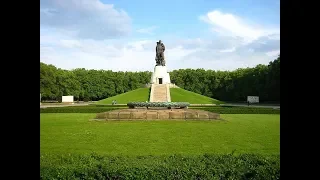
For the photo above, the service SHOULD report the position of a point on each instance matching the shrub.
(86, 99)
(158, 104)
(245, 166)
(104, 108)
(239, 110)
(107, 105)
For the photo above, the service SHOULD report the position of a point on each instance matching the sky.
(121, 35)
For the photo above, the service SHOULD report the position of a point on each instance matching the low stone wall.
(67, 103)
(151, 93)
(168, 93)
(158, 114)
(203, 105)
(171, 85)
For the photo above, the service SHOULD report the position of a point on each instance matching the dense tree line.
(262, 81)
(87, 84)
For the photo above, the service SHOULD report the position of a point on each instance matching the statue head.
(160, 41)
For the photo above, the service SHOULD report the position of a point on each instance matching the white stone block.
(253, 99)
(160, 75)
(67, 99)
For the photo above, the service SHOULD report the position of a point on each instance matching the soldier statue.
(160, 48)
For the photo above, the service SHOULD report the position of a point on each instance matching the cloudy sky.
(122, 34)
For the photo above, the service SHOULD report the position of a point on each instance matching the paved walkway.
(230, 104)
(62, 105)
(254, 105)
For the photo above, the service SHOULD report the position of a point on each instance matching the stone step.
(160, 93)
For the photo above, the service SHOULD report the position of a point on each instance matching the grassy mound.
(182, 95)
(141, 94)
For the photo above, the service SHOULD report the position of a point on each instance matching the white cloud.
(48, 11)
(139, 56)
(148, 30)
(139, 45)
(89, 19)
(263, 44)
(231, 25)
(131, 56)
(70, 46)
(70, 43)
(273, 53)
(228, 50)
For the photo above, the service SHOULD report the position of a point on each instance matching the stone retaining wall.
(142, 114)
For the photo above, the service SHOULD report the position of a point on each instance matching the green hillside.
(141, 95)
(177, 95)
(181, 95)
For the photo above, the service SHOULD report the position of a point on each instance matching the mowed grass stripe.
(140, 95)
(182, 95)
(73, 133)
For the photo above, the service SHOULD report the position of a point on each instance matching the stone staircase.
(160, 93)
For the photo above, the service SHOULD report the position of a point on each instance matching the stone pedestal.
(67, 99)
(160, 75)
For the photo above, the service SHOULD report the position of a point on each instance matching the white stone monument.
(67, 99)
(253, 99)
(160, 75)
(160, 78)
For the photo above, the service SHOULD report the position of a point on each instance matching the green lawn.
(63, 133)
(141, 94)
(182, 95)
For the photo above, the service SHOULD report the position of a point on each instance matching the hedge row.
(216, 109)
(239, 110)
(246, 166)
(158, 104)
(108, 105)
(79, 109)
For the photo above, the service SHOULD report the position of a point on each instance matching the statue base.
(160, 75)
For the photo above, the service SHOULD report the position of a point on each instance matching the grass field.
(182, 95)
(245, 146)
(141, 94)
(64, 133)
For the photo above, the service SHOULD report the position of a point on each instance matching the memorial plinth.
(160, 75)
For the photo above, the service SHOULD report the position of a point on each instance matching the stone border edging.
(158, 115)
